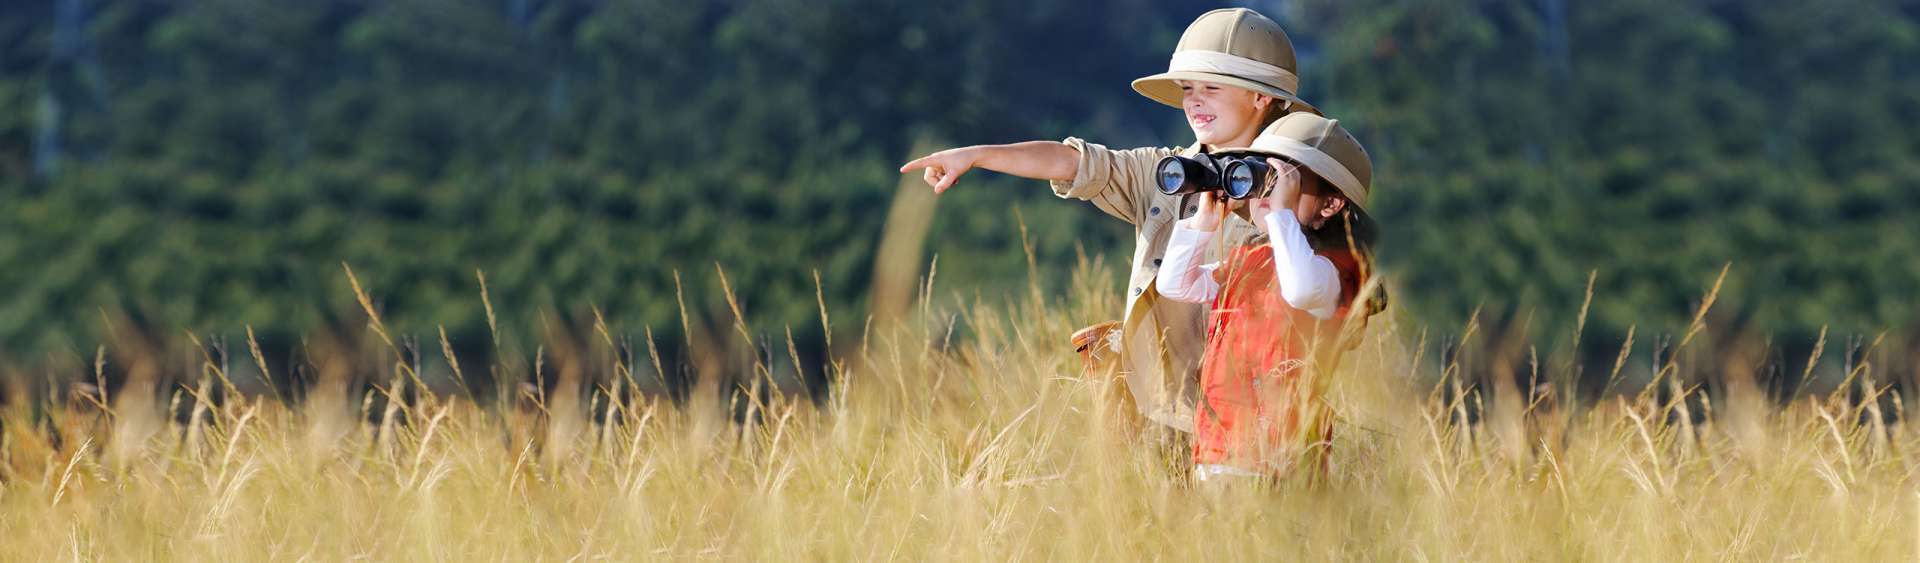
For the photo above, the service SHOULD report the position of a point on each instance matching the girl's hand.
(945, 167)
(1213, 209)
(1283, 195)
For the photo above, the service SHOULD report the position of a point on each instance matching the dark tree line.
(210, 164)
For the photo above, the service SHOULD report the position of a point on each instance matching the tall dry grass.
(963, 433)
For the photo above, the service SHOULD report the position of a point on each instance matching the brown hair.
(1278, 108)
(1351, 230)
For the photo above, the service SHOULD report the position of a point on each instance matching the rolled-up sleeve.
(1115, 181)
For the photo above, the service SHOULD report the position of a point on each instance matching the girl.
(1277, 304)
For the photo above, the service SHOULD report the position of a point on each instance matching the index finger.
(921, 162)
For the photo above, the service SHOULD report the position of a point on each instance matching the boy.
(1232, 73)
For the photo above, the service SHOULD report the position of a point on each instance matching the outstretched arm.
(1040, 160)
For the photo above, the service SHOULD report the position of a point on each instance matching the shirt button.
(1136, 291)
(1153, 211)
(1193, 208)
(1156, 261)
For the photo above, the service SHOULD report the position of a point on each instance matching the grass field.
(967, 434)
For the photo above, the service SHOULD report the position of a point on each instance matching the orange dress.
(1257, 412)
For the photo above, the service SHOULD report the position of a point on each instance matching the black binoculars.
(1238, 176)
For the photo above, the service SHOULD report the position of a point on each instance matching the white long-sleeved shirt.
(1308, 281)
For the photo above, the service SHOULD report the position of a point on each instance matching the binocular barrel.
(1238, 176)
(1180, 175)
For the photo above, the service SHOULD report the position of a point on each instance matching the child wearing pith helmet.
(1276, 305)
(1231, 74)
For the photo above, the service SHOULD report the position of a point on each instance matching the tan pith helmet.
(1323, 147)
(1234, 46)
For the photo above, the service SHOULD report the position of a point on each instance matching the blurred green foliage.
(210, 164)
(1526, 144)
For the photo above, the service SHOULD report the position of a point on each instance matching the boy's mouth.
(1200, 120)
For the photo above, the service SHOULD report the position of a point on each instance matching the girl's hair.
(1351, 230)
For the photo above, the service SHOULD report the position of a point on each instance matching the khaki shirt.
(1161, 339)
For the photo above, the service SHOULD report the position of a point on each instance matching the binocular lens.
(1172, 176)
(1239, 181)
(1244, 176)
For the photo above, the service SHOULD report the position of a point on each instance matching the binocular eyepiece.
(1238, 176)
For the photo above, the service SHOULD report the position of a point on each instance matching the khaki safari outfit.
(1159, 342)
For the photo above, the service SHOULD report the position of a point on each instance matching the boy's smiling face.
(1222, 116)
